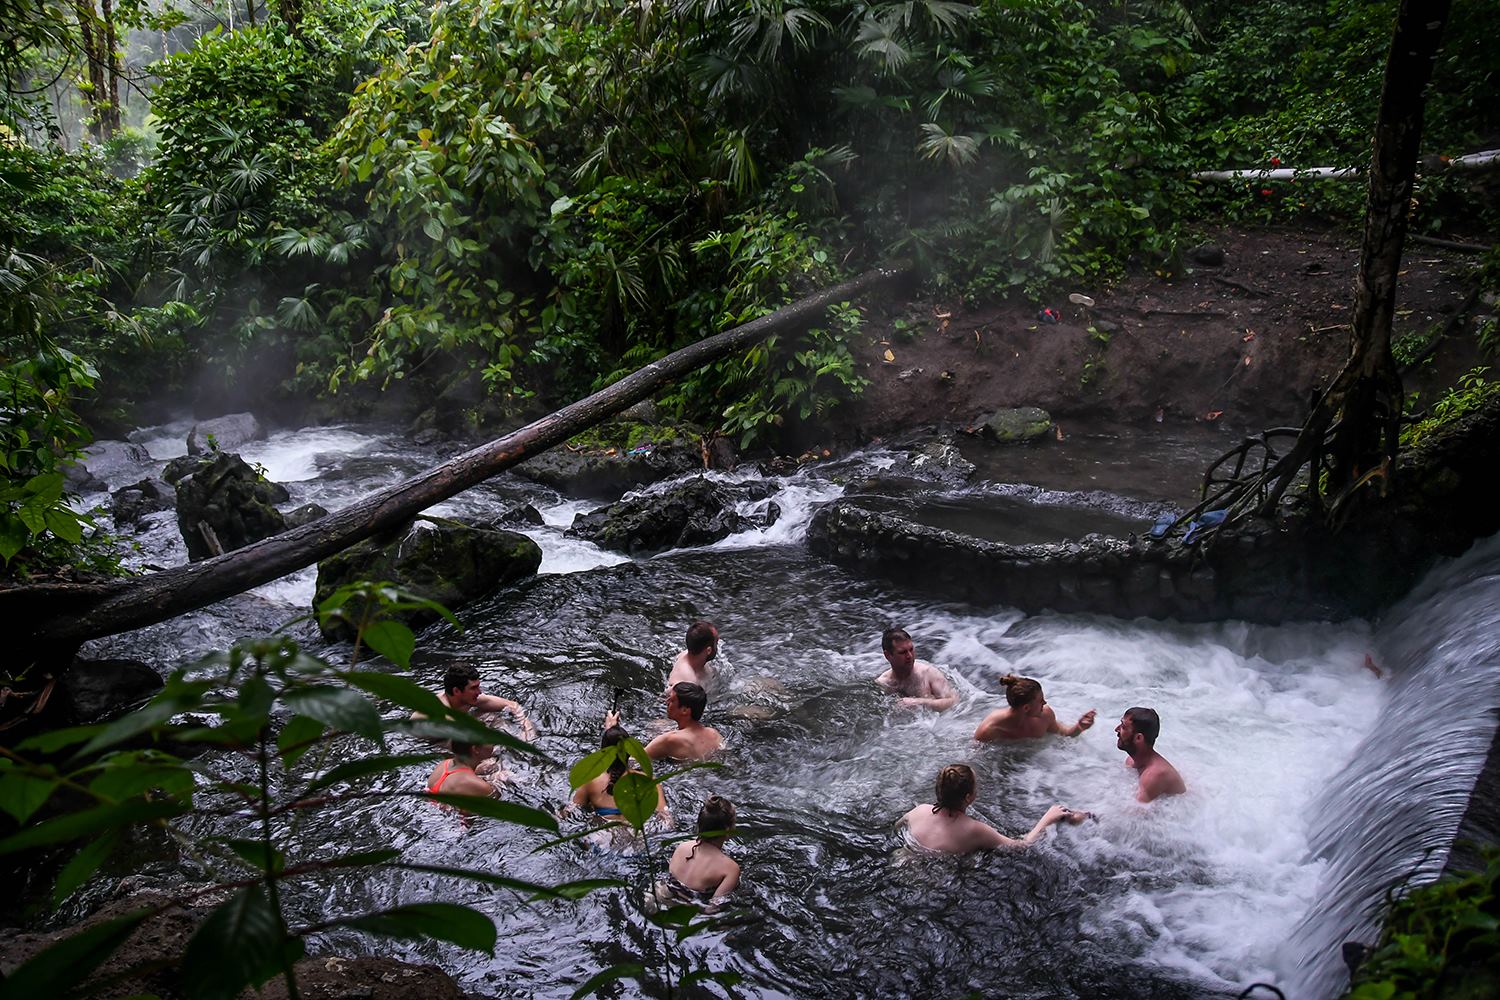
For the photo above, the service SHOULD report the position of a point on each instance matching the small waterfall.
(1389, 818)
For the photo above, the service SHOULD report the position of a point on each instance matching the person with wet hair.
(1026, 715)
(458, 774)
(461, 690)
(691, 740)
(692, 663)
(1137, 734)
(919, 684)
(946, 826)
(598, 795)
(700, 872)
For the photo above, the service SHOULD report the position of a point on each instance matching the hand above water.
(1086, 720)
(611, 719)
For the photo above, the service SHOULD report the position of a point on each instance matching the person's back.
(457, 776)
(946, 827)
(691, 740)
(700, 868)
(692, 664)
(1027, 715)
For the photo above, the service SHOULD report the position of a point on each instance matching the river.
(1281, 849)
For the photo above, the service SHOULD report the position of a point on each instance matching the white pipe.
(1483, 160)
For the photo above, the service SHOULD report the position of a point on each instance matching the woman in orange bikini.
(455, 776)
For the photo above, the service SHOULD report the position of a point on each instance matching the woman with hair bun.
(1026, 715)
(700, 872)
(947, 828)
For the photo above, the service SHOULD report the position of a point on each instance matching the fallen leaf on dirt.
(942, 315)
(1247, 361)
(1058, 429)
(611, 451)
(1249, 336)
(890, 358)
(1213, 414)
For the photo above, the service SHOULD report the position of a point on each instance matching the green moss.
(1471, 393)
(626, 434)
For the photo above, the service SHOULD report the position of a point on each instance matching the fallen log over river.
(51, 620)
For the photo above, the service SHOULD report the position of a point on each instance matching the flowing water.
(1313, 785)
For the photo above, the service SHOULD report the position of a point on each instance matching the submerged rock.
(226, 433)
(100, 690)
(129, 504)
(231, 501)
(306, 514)
(696, 512)
(1023, 423)
(935, 462)
(444, 560)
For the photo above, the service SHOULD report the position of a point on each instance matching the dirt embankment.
(1244, 343)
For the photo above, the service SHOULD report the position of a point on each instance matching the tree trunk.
(1354, 429)
(96, 61)
(113, 69)
(57, 618)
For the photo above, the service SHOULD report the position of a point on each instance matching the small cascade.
(1389, 818)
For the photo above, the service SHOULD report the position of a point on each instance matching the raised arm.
(1085, 721)
(495, 703)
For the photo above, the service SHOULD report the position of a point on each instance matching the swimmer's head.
(461, 685)
(716, 818)
(891, 636)
(703, 636)
(614, 736)
(1019, 691)
(689, 696)
(1142, 722)
(472, 751)
(955, 787)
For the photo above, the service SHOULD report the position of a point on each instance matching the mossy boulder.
(225, 497)
(1023, 423)
(444, 560)
(696, 512)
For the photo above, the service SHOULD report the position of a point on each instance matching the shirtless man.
(461, 691)
(691, 740)
(920, 685)
(691, 664)
(947, 828)
(1027, 715)
(1137, 731)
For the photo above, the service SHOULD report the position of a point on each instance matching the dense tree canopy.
(334, 197)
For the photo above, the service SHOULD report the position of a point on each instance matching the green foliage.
(82, 789)
(1440, 941)
(1472, 392)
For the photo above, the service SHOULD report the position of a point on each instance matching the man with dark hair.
(691, 740)
(1137, 734)
(920, 684)
(692, 663)
(461, 691)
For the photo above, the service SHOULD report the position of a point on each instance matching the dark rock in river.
(100, 690)
(523, 514)
(935, 462)
(306, 514)
(696, 512)
(232, 500)
(129, 504)
(608, 473)
(227, 433)
(1024, 423)
(441, 559)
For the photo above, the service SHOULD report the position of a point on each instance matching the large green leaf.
(510, 812)
(450, 922)
(56, 970)
(178, 696)
(88, 821)
(83, 864)
(242, 943)
(22, 794)
(297, 737)
(624, 970)
(127, 775)
(465, 729)
(636, 795)
(337, 708)
(392, 640)
(364, 767)
(592, 766)
(401, 690)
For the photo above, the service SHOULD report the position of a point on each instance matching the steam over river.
(1276, 855)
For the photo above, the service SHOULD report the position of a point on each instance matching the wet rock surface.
(609, 473)
(444, 560)
(99, 690)
(226, 433)
(131, 503)
(696, 512)
(937, 462)
(111, 462)
(1022, 423)
(234, 502)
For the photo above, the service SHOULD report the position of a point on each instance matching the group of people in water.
(700, 871)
